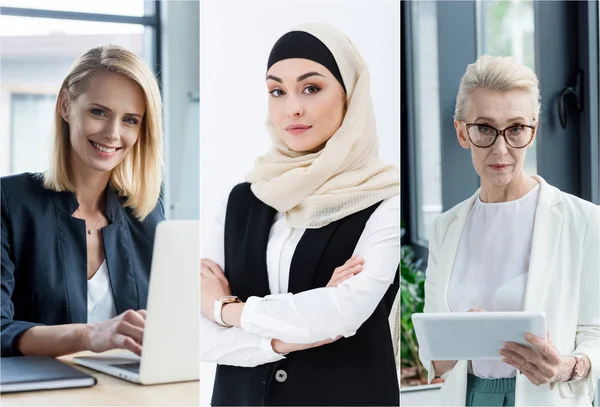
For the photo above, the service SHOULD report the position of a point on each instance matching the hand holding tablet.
(474, 335)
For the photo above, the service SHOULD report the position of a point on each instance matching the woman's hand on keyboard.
(125, 331)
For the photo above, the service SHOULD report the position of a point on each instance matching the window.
(506, 28)
(503, 28)
(38, 48)
(30, 144)
(427, 178)
(126, 8)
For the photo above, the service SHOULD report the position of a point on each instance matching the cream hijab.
(344, 177)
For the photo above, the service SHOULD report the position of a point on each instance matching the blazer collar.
(547, 228)
(66, 201)
(72, 236)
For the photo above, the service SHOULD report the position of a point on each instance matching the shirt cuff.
(248, 312)
(430, 371)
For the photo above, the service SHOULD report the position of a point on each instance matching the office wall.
(235, 41)
(180, 48)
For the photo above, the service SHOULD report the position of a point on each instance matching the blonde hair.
(139, 176)
(500, 74)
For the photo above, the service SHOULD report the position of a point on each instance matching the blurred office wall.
(180, 48)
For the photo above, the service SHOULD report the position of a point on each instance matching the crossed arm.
(317, 316)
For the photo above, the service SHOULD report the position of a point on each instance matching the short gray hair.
(500, 74)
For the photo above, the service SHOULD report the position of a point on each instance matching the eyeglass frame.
(498, 132)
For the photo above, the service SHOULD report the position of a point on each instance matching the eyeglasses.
(484, 135)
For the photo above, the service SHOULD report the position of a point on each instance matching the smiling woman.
(77, 240)
(100, 136)
(112, 98)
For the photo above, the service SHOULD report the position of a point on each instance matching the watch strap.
(575, 376)
(218, 309)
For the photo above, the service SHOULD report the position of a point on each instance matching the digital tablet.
(473, 335)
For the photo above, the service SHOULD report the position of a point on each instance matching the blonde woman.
(77, 240)
(309, 246)
(518, 244)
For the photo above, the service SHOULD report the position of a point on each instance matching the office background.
(39, 42)
(235, 41)
(558, 39)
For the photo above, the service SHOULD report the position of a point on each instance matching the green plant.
(412, 299)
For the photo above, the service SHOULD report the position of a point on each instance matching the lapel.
(260, 220)
(73, 254)
(449, 244)
(117, 245)
(307, 256)
(547, 228)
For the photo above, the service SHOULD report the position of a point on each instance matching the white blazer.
(563, 281)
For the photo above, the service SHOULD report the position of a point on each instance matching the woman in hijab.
(309, 245)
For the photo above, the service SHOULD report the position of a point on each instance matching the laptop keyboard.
(130, 367)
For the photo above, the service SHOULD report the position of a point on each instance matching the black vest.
(359, 370)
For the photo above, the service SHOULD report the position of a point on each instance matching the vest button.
(281, 376)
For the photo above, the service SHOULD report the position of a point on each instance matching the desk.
(109, 391)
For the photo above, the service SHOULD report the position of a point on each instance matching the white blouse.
(490, 270)
(100, 301)
(309, 316)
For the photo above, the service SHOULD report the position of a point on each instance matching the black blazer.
(44, 257)
(359, 370)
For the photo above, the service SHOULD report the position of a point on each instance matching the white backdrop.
(235, 41)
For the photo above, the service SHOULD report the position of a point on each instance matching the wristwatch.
(578, 369)
(219, 303)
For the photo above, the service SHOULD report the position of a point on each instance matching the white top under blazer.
(100, 301)
(563, 281)
(490, 270)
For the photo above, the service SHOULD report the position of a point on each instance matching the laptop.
(171, 347)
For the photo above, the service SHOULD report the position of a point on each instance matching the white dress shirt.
(100, 301)
(309, 316)
(490, 269)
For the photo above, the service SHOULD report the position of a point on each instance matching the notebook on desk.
(27, 373)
